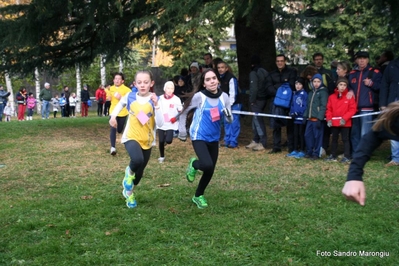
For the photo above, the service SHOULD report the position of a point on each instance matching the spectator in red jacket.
(101, 97)
(339, 114)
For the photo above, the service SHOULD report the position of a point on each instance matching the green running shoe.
(127, 182)
(191, 171)
(200, 201)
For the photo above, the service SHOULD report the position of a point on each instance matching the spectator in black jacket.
(274, 80)
(3, 100)
(386, 127)
(389, 93)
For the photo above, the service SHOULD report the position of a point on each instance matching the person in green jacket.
(45, 98)
(314, 115)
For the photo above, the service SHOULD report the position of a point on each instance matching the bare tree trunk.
(255, 35)
(9, 89)
(103, 71)
(78, 87)
(37, 86)
(120, 64)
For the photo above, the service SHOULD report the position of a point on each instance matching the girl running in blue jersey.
(211, 105)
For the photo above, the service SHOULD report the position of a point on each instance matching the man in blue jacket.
(364, 84)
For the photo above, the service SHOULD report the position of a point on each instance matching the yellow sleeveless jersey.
(144, 134)
(122, 90)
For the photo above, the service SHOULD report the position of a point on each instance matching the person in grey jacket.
(257, 101)
(3, 100)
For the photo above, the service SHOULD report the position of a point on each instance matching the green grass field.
(61, 204)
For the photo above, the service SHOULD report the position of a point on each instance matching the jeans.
(45, 109)
(314, 139)
(1, 111)
(395, 150)
(360, 126)
(258, 124)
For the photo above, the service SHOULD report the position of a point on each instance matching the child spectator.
(314, 114)
(298, 107)
(72, 104)
(56, 105)
(31, 103)
(171, 106)
(139, 134)
(101, 97)
(62, 101)
(8, 112)
(339, 114)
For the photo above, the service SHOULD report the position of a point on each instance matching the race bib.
(215, 115)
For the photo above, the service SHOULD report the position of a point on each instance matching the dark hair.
(216, 61)
(283, 55)
(184, 72)
(208, 54)
(389, 55)
(317, 54)
(309, 71)
(30, 93)
(119, 74)
(199, 88)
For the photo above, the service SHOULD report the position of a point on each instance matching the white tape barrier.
(289, 117)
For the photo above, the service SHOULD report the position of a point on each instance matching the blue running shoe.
(127, 182)
(292, 154)
(299, 155)
(131, 201)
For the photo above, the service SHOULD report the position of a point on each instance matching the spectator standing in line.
(339, 106)
(343, 69)
(101, 97)
(314, 114)
(31, 104)
(56, 105)
(257, 101)
(275, 79)
(62, 101)
(67, 94)
(194, 76)
(3, 100)
(208, 61)
(385, 58)
(45, 97)
(72, 104)
(307, 74)
(229, 85)
(8, 112)
(21, 98)
(85, 97)
(364, 82)
(389, 93)
(298, 107)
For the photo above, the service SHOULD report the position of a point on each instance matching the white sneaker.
(113, 151)
(161, 159)
(258, 147)
(251, 145)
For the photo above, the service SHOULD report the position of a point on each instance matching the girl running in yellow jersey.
(139, 134)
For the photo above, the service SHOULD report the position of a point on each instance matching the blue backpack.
(283, 96)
